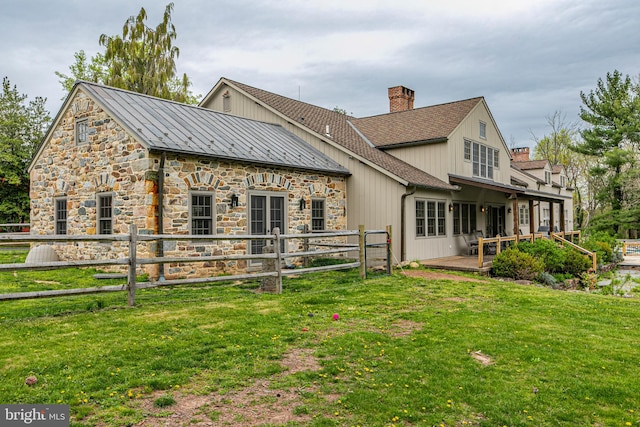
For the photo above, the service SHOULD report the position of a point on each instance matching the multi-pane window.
(524, 214)
(61, 215)
(547, 177)
(317, 214)
(464, 218)
(105, 214)
(483, 130)
(420, 218)
(82, 131)
(563, 181)
(467, 149)
(201, 213)
(484, 158)
(430, 218)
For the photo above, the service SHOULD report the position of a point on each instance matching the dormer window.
(563, 181)
(483, 130)
(547, 177)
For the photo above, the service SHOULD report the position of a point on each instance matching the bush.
(517, 265)
(575, 263)
(551, 254)
(547, 280)
(602, 244)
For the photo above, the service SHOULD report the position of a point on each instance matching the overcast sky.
(528, 58)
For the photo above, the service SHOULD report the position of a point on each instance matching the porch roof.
(484, 183)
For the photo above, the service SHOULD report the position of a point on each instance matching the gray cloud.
(528, 59)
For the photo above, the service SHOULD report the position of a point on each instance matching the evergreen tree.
(22, 126)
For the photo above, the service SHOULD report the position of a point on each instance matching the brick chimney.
(520, 154)
(401, 99)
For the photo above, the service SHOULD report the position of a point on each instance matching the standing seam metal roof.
(171, 126)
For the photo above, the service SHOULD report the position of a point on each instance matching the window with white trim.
(82, 131)
(201, 210)
(547, 177)
(317, 215)
(483, 130)
(467, 149)
(563, 181)
(105, 213)
(524, 215)
(61, 215)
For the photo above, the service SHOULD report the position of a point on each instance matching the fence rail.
(275, 259)
(631, 248)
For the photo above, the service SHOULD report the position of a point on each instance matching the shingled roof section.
(421, 125)
(531, 164)
(343, 133)
(180, 128)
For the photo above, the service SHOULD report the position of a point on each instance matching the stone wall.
(113, 161)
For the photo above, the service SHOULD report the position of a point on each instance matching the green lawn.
(400, 354)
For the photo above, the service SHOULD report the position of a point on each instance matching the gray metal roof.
(171, 126)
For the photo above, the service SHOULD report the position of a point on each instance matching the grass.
(401, 353)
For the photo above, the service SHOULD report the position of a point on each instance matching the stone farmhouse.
(113, 158)
(436, 174)
(248, 160)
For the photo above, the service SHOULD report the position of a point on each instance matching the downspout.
(403, 214)
(160, 247)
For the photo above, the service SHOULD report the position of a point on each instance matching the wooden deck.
(460, 263)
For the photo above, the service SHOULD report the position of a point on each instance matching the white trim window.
(483, 130)
(547, 177)
(201, 210)
(524, 215)
(82, 131)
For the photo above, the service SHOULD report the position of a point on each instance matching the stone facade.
(112, 161)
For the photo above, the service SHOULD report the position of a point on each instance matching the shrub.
(551, 254)
(547, 279)
(575, 263)
(517, 265)
(602, 244)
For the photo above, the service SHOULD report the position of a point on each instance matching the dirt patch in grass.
(483, 359)
(403, 328)
(254, 405)
(435, 275)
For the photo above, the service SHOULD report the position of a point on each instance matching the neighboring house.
(435, 174)
(111, 158)
(551, 201)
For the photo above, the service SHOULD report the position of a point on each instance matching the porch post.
(516, 217)
(532, 216)
(562, 218)
(551, 217)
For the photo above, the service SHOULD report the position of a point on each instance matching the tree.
(142, 60)
(558, 148)
(95, 71)
(22, 127)
(612, 112)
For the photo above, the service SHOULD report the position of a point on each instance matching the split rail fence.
(276, 258)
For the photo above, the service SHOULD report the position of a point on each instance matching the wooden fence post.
(133, 246)
(363, 264)
(305, 246)
(278, 252)
(480, 252)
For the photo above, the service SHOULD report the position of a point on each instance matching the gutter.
(403, 214)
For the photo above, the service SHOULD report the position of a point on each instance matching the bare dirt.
(435, 275)
(254, 405)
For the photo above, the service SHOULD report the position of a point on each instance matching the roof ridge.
(423, 107)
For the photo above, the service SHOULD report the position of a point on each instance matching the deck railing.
(498, 243)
